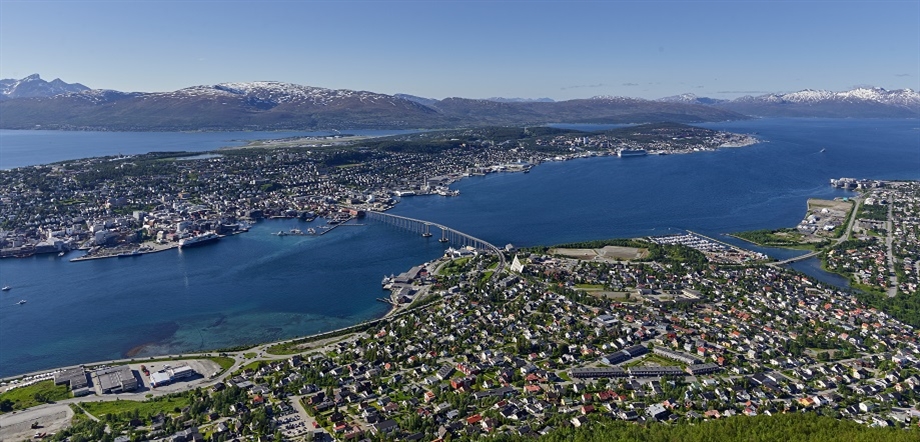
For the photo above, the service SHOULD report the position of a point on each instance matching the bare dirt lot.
(18, 426)
(608, 253)
(818, 204)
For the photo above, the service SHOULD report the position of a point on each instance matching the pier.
(448, 235)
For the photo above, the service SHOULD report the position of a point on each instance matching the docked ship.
(631, 153)
(198, 240)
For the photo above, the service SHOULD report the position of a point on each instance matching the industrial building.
(114, 380)
(170, 375)
(75, 379)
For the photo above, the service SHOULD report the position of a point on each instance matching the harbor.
(252, 288)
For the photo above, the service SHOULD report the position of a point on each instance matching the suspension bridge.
(447, 235)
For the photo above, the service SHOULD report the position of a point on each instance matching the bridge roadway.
(843, 237)
(447, 234)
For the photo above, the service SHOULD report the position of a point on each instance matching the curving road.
(843, 237)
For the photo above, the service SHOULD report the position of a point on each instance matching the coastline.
(395, 309)
(454, 177)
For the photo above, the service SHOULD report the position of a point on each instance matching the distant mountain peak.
(614, 98)
(898, 97)
(34, 87)
(863, 101)
(689, 98)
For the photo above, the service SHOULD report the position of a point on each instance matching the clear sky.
(474, 49)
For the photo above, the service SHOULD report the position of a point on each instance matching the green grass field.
(148, 408)
(32, 395)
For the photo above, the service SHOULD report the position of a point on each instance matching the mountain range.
(33, 86)
(32, 103)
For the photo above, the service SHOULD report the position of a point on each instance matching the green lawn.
(651, 359)
(589, 286)
(255, 365)
(224, 363)
(148, 408)
(32, 395)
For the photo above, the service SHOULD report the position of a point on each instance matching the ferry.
(198, 240)
(6, 288)
(631, 153)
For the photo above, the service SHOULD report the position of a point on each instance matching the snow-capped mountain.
(277, 93)
(271, 105)
(690, 99)
(899, 97)
(34, 86)
(873, 102)
(614, 98)
(226, 106)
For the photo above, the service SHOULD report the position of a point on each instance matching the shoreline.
(395, 309)
(131, 355)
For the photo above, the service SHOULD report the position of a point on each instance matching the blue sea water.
(244, 289)
(257, 287)
(760, 186)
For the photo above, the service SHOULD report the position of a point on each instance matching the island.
(131, 205)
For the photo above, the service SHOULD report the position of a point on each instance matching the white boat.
(6, 288)
(21, 302)
(204, 238)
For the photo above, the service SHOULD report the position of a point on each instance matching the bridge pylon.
(443, 235)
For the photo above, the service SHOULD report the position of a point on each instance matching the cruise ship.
(631, 153)
(198, 240)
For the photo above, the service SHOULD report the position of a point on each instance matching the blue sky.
(476, 49)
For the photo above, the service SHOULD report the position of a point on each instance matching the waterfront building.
(114, 380)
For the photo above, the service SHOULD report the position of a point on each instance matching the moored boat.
(631, 153)
(198, 240)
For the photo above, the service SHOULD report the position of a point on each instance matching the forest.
(792, 427)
